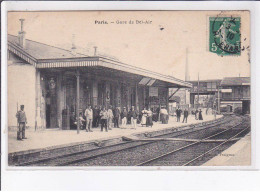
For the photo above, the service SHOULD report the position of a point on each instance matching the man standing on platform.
(99, 117)
(124, 117)
(133, 115)
(89, 119)
(185, 115)
(116, 116)
(95, 116)
(178, 114)
(22, 121)
(103, 119)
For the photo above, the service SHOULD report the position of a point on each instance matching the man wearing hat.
(116, 116)
(22, 121)
(124, 117)
(89, 119)
(133, 114)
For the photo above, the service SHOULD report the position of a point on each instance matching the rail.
(186, 146)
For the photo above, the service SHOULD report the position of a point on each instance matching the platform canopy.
(235, 81)
(44, 56)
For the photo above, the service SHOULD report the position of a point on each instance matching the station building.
(235, 94)
(55, 84)
(230, 94)
(204, 88)
(203, 93)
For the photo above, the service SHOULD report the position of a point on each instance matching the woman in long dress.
(196, 114)
(149, 121)
(110, 118)
(200, 115)
(144, 116)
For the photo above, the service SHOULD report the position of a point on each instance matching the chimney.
(95, 50)
(187, 76)
(21, 35)
(73, 42)
(73, 46)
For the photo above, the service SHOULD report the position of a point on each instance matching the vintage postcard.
(128, 88)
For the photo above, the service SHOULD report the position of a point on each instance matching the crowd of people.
(197, 113)
(110, 117)
(114, 117)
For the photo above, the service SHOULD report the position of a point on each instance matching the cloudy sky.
(160, 46)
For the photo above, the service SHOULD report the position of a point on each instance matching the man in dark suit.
(22, 121)
(178, 114)
(116, 117)
(185, 115)
(95, 117)
(133, 115)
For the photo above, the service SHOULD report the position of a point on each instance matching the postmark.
(225, 36)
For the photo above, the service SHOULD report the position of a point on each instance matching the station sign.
(153, 91)
(226, 90)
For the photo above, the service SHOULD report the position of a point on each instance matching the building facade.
(205, 93)
(235, 94)
(55, 84)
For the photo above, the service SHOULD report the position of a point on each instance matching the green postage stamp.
(224, 35)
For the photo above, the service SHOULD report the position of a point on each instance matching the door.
(101, 94)
(51, 103)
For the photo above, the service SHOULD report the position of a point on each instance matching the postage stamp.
(224, 35)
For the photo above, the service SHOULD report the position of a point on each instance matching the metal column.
(218, 100)
(136, 97)
(167, 100)
(77, 109)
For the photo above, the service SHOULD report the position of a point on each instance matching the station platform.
(54, 137)
(239, 154)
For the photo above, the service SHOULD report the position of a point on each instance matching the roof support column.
(38, 100)
(167, 100)
(144, 88)
(136, 97)
(77, 106)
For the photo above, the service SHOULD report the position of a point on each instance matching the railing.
(203, 90)
(235, 98)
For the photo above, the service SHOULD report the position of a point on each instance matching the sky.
(160, 46)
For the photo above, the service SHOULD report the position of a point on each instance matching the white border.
(97, 178)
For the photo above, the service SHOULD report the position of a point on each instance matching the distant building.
(235, 94)
(232, 94)
(204, 87)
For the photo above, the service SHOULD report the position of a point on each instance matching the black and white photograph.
(128, 88)
(129, 95)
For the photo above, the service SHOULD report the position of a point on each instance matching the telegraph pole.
(218, 100)
(198, 88)
(187, 77)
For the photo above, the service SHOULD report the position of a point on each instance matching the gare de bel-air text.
(123, 22)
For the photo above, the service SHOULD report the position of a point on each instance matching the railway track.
(180, 156)
(136, 153)
(148, 155)
(214, 148)
(133, 155)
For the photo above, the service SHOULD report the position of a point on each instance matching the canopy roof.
(235, 81)
(45, 56)
(175, 99)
